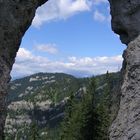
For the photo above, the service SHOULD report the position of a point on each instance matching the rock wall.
(125, 19)
(15, 18)
(126, 23)
(127, 124)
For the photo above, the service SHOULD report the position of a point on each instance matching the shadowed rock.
(15, 18)
(126, 19)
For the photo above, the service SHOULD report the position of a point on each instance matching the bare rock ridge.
(126, 23)
(15, 18)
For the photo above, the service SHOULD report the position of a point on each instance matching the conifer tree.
(87, 119)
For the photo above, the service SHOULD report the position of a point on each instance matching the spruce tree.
(87, 119)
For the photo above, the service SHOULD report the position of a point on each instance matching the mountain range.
(39, 101)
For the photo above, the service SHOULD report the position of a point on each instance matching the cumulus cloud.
(63, 9)
(49, 48)
(59, 9)
(23, 54)
(27, 63)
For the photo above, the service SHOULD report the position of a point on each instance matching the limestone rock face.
(127, 124)
(126, 19)
(15, 18)
(126, 23)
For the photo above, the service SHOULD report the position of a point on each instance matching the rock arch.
(16, 17)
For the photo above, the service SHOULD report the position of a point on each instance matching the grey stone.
(15, 18)
(127, 124)
(126, 19)
(126, 22)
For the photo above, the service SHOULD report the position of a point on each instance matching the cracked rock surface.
(127, 124)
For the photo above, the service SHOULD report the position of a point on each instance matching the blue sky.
(70, 36)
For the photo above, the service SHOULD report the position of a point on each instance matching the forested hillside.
(60, 106)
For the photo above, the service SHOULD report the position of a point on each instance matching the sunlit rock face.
(126, 19)
(126, 23)
(127, 124)
(15, 18)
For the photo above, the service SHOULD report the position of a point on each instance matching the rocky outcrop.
(127, 124)
(125, 22)
(15, 18)
(126, 19)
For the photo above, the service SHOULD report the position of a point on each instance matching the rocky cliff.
(127, 124)
(15, 18)
(125, 22)
(125, 19)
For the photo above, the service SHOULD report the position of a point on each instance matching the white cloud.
(23, 52)
(49, 48)
(101, 17)
(59, 9)
(98, 16)
(63, 9)
(27, 63)
(97, 2)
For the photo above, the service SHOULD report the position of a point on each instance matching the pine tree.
(68, 114)
(78, 122)
(87, 119)
(34, 131)
(34, 134)
(89, 109)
